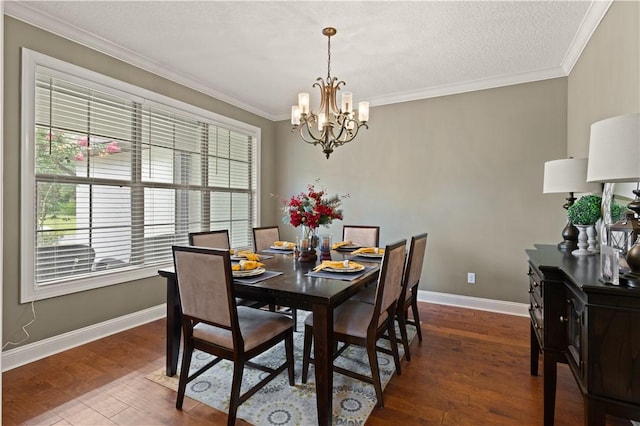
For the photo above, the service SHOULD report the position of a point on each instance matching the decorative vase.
(307, 243)
(592, 242)
(582, 241)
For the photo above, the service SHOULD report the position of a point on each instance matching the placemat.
(262, 277)
(343, 276)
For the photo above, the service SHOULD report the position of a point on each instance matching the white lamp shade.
(614, 149)
(567, 175)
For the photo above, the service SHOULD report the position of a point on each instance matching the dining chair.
(213, 323)
(211, 239)
(264, 237)
(409, 295)
(362, 235)
(220, 240)
(362, 324)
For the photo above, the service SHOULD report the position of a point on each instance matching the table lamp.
(568, 176)
(614, 156)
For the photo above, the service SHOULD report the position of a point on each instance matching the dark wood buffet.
(591, 326)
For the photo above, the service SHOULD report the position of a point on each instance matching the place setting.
(345, 246)
(369, 254)
(247, 255)
(251, 272)
(345, 270)
(280, 247)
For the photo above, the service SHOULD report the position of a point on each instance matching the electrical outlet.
(471, 278)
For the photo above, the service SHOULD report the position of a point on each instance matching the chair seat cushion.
(352, 318)
(256, 326)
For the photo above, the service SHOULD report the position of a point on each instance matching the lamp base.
(570, 238)
(567, 245)
(630, 279)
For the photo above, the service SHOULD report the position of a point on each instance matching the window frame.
(31, 60)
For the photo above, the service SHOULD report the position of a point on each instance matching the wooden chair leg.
(184, 373)
(306, 352)
(391, 329)
(402, 323)
(236, 382)
(294, 315)
(416, 316)
(375, 371)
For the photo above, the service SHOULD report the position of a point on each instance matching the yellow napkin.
(249, 255)
(340, 244)
(285, 244)
(336, 264)
(246, 265)
(368, 250)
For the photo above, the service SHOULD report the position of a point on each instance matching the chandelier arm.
(351, 134)
(312, 139)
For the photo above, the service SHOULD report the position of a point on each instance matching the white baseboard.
(43, 348)
(499, 306)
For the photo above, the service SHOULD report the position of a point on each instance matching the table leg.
(323, 361)
(550, 360)
(174, 326)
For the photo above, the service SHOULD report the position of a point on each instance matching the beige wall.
(465, 168)
(605, 81)
(62, 314)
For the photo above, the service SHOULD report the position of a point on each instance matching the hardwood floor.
(471, 369)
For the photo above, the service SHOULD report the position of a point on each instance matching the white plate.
(283, 248)
(373, 255)
(353, 269)
(249, 273)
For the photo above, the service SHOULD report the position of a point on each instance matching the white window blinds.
(119, 178)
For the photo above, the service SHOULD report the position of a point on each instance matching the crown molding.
(23, 12)
(597, 10)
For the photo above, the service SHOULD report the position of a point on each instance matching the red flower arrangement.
(311, 209)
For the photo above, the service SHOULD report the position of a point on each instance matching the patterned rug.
(280, 404)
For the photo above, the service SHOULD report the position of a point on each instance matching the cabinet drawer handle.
(563, 319)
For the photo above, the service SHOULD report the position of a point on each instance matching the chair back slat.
(211, 239)
(264, 237)
(365, 236)
(204, 283)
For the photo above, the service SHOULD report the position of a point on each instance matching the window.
(113, 175)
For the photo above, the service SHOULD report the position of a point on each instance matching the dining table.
(295, 286)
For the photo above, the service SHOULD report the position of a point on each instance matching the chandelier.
(335, 126)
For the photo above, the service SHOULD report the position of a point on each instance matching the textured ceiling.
(259, 55)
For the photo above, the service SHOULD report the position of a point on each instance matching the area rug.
(280, 404)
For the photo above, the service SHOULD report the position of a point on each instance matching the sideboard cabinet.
(591, 326)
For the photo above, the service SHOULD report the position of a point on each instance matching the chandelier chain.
(329, 58)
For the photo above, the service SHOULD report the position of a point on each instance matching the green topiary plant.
(617, 211)
(585, 211)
